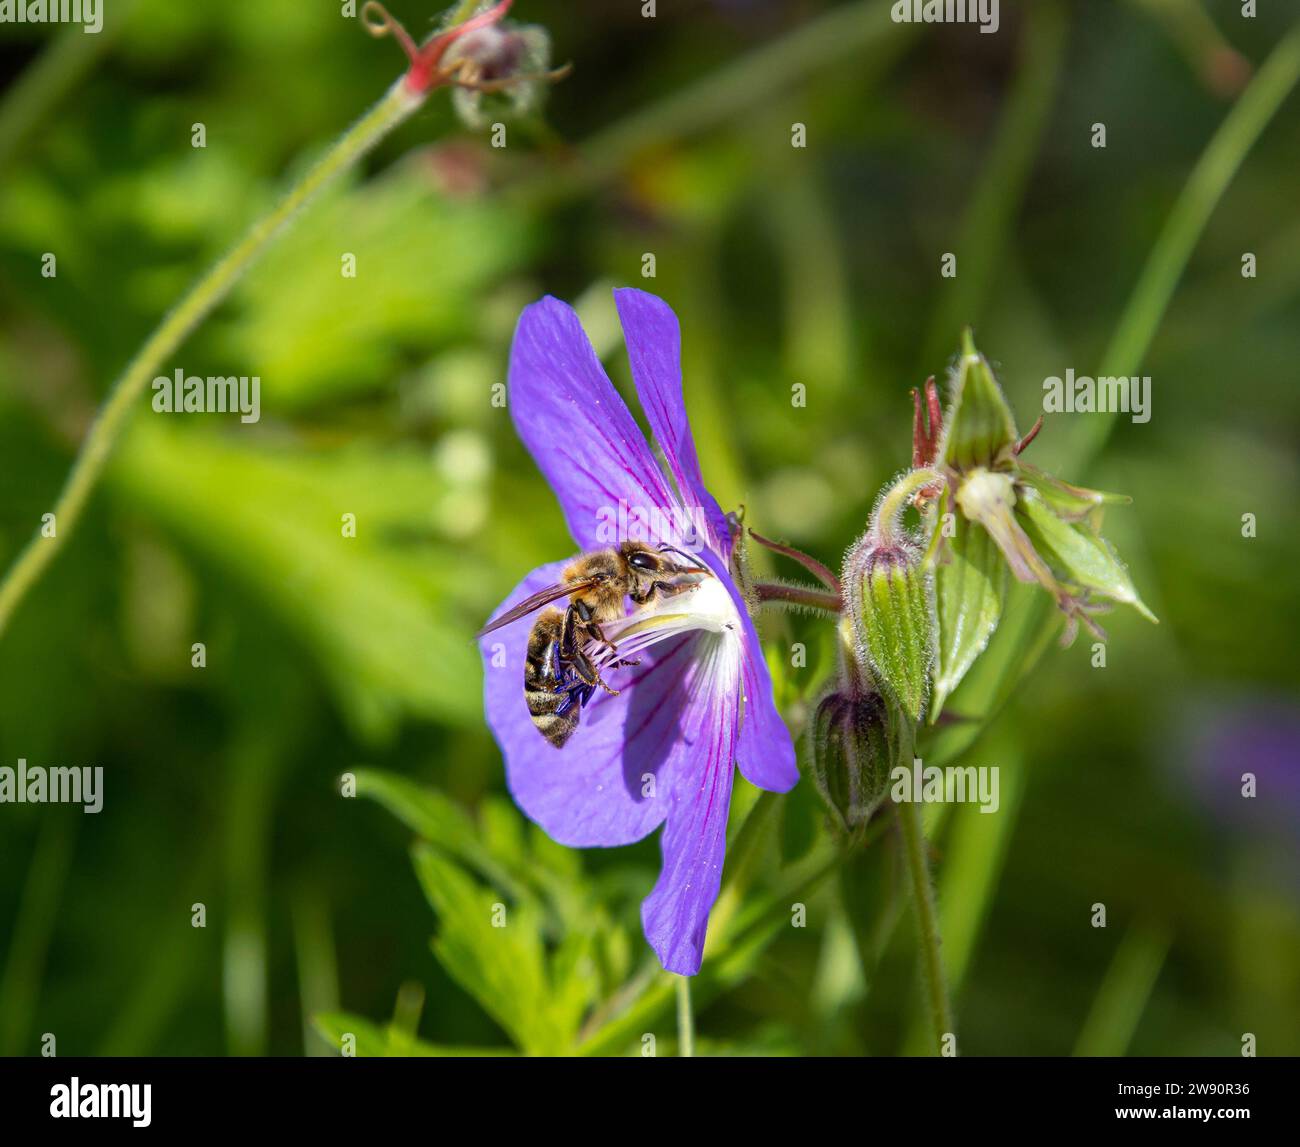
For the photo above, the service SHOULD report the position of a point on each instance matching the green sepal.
(1076, 555)
(969, 586)
(893, 623)
(1073, 503)
(850, 756)
(980, 430)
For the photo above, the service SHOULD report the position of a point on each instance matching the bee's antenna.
(696, 568)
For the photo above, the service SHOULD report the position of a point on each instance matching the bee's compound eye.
(643, 561)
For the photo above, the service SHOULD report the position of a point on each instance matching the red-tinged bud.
(477, 55)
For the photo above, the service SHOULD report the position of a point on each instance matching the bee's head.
(658, 561)
(641, 559)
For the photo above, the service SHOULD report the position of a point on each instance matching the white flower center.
(704, 606)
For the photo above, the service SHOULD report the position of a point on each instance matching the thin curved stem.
(884, 523)
(820, 571)
(395, 107)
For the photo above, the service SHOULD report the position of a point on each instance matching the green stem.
(929, 940)
(927, 922)
(395, 107)
(1223, 156)
(685, 1019)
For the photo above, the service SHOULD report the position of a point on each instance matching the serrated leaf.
(268, 519)
(422, 265)
(437, 819)
(505, 967)
(968, 590)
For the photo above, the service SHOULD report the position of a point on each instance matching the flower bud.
(890, 605)
(507, 66)
(851, 755)
(980, 430)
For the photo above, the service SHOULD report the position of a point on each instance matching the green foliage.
(376, 609)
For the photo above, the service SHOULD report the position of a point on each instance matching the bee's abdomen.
(553, 708)
(555, 728)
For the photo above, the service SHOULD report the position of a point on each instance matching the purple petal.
(676, 913)
(592, 792)
(576, 426)
(764, 749)
(654, 350)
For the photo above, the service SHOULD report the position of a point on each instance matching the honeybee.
(560, 676)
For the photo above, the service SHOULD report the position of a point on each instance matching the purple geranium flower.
(661, 750)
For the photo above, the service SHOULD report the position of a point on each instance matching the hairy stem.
(207, 293)
(804, 595)
(821, 572)
(890, 509)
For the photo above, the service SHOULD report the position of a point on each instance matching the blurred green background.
(817, 266)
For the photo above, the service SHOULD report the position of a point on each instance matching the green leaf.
(495, 952)
(1123, 995)
(422, 265)
(438, 820)
(1076, 554)
(980, 430)
(375, 610)
(968, 590)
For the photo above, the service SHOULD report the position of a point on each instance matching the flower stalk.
(806, 596)
(934, 981)
(685, 1019)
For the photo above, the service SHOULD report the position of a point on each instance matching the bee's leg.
(574, 656)
(598, 635)
(668, 589)
(577, 694)
(587, 670)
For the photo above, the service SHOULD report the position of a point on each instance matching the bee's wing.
(543, 597)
